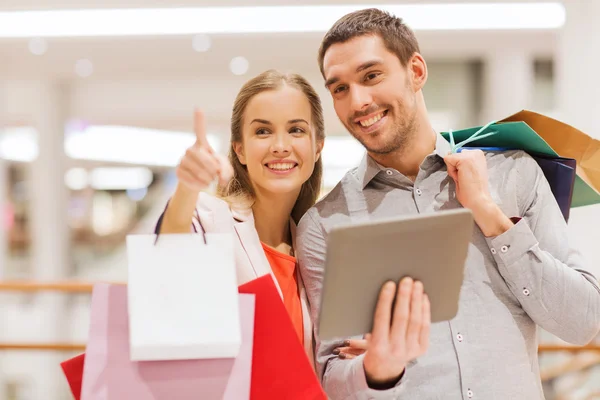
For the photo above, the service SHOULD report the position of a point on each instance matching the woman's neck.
(272, 219)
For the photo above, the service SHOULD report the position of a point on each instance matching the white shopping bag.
(182, 297)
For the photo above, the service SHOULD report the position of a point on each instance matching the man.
(520, 274)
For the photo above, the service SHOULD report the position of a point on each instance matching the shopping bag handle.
(160, 220)
(455, 148)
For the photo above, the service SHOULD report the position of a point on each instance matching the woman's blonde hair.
(239, 191)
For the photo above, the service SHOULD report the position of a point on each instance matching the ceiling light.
(84, 68)
(239, 65)
(19, 144)
(76, 178)
(270, 19)
(115, 144)
(114, 178)
(201, 43)
(106, 143)
(38, 46)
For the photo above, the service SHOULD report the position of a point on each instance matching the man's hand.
(469, 171)
(400, 336)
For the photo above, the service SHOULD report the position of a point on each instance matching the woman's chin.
(282, 186)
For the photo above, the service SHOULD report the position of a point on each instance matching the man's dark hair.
(396, 35)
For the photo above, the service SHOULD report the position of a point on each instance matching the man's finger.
(200, 129)
(451, 166)
(401, 310)
(416, 316)
(383, 313)
(426, 323)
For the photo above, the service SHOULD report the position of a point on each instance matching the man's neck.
(409, 158)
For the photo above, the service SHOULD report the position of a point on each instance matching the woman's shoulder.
(211, 203)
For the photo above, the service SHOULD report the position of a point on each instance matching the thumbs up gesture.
(201, 165)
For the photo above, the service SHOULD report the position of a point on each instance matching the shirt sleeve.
(541, 268)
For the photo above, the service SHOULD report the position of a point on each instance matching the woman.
(272, 177)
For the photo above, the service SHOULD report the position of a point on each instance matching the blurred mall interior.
(93, 122)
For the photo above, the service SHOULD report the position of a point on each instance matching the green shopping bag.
(518, 135)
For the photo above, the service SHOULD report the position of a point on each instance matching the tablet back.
(361, 257)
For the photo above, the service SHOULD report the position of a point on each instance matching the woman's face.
(278, 146)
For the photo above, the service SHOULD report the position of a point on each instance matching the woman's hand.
(200, 165)
(351, 348)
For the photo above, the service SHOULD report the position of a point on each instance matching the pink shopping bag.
(109, 374)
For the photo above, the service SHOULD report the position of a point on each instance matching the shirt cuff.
(362, 389)
(513, 244)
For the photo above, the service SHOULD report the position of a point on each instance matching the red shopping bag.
(73, 370)
(280, 367)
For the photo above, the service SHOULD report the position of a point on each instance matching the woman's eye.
(296, 130)
(262, 132)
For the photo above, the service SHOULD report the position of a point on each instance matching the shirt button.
(389, 172)
(459, 337)
(418, 191)
(526, 291)
(504, 249)
(470, 393)
(493, 251)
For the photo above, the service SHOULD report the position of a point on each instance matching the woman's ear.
(239, 151)
(320, 144)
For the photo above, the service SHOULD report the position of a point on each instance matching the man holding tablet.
(520, 273)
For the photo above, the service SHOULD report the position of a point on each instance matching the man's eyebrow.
(368, 64)
(331, 81)
(361, 67)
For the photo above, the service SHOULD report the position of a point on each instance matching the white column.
(508, 82)
(49, 231)
(3, 238)
(3, 259)
(578, 82)
(3, 194)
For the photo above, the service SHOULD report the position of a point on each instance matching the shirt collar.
(369, 168)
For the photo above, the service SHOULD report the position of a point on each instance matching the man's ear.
(418, 70)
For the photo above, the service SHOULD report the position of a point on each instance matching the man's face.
(373, 94)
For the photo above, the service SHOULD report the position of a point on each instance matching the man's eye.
(339, 89)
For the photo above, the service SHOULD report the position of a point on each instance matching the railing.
(75, 287)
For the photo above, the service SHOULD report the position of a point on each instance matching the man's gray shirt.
(527, 277)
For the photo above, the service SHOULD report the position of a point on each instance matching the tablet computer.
(431, 248)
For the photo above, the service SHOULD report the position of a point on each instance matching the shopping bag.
(559, 172)
(73, 371)
(569, 142)
(109, 374)
(561, 176)
(183, 299)
(280, 367)
(518, 135)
